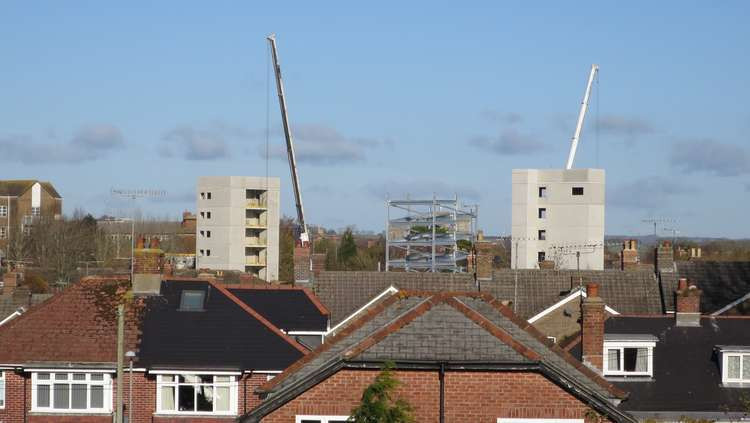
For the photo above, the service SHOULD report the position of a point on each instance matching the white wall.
(227, 223)
(573, 223)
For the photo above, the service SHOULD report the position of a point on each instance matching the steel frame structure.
(426, 232)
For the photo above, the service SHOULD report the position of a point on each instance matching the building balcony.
(256, 204)
(255, 242)
(255, 261)
(255, 222)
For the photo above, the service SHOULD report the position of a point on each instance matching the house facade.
(459, 357)
(22, 203)
(195, 351)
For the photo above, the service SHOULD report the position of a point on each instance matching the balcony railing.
(256, 204)
(255, 241)
(255, 222)
(255, 261)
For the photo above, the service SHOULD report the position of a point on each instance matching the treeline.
(348, 252)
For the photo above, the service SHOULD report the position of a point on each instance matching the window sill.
(70, 413)
(193, 415)
(735, 385)
(633, 378)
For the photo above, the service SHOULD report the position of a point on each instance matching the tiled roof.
(15, 188)
(721, 282)
(226, 333)
(430, 327)
(630, 292)
(77, 325)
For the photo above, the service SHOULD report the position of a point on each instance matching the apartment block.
(558, 219)
(24, 202)
(238, 224)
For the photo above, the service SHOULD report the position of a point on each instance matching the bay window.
(71, 392)
(196, 394)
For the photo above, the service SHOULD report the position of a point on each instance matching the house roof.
(9, 304)
(447, 327)
(687, 377)
(15, 188)
(631, 292)
(77, 325)
(722, 282)
(227, 333)
(288, 308)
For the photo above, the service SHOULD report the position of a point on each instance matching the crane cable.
(268, 113)
(597, 119)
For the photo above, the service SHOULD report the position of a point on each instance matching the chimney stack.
(629, 255)
(302, 265)
(687, 304)
(664, 258)
(592, 321)
(484, 259)
(148, 264)
(318, 263)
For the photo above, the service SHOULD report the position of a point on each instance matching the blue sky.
(386, 98)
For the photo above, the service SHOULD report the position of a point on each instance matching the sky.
(386, 99)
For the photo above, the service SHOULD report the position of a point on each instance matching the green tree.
(347, 248)
(286, 249)
(378, 404)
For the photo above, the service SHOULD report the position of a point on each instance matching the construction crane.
(303, 237)
(581, 117)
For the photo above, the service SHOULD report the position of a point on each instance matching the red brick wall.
(479, 397)
(144, 402)
(592, 338)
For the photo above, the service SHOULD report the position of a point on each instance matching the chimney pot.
(592, 290)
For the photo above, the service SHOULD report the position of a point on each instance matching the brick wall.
(479, 397)
(144, 402)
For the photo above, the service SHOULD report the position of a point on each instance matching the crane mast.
(303, 236)
(581, 117)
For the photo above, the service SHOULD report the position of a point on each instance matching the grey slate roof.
(442, 332)
(721, 282)
(628, 292)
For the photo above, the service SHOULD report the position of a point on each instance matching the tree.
(378, 404)
(347, 248)
(286, 249)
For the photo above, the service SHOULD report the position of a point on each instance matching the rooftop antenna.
(581, 117)
(657, 221)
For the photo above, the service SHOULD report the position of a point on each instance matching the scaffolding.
(424, 235)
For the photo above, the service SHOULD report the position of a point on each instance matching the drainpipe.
(442, 392)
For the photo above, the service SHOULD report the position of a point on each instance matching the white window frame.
(106, 383)
(322, 419)
(621, 345)
(233, 392)
(527, 420)
(725, 367)
(3, 211)
(3, 232)
(3, 386)
(36, 211)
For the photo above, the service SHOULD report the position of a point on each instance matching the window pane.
(205, 398)
(61, 376)
(167, 398)
(222, 379)
(613, 360)
(186, 397)
(97, 376)
(641, 362)
(42, 395)
(206, 379)
(61, 396)
(78, 396)
(221, 402)
(97, 396)
(311, 421)
(630, 355)
(79, 376)
(746, 367)
(42, 376)
(2, 391)
(189, 379)
(733, 367)
(167, 378)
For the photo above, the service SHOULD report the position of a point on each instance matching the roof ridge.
(249, 310)
(539, 336)
(394, 325)
(333, 340)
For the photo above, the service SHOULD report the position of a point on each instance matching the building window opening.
(542, 192)
(542, 213)
(542, 235)
(577, 190)
(540, 256)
